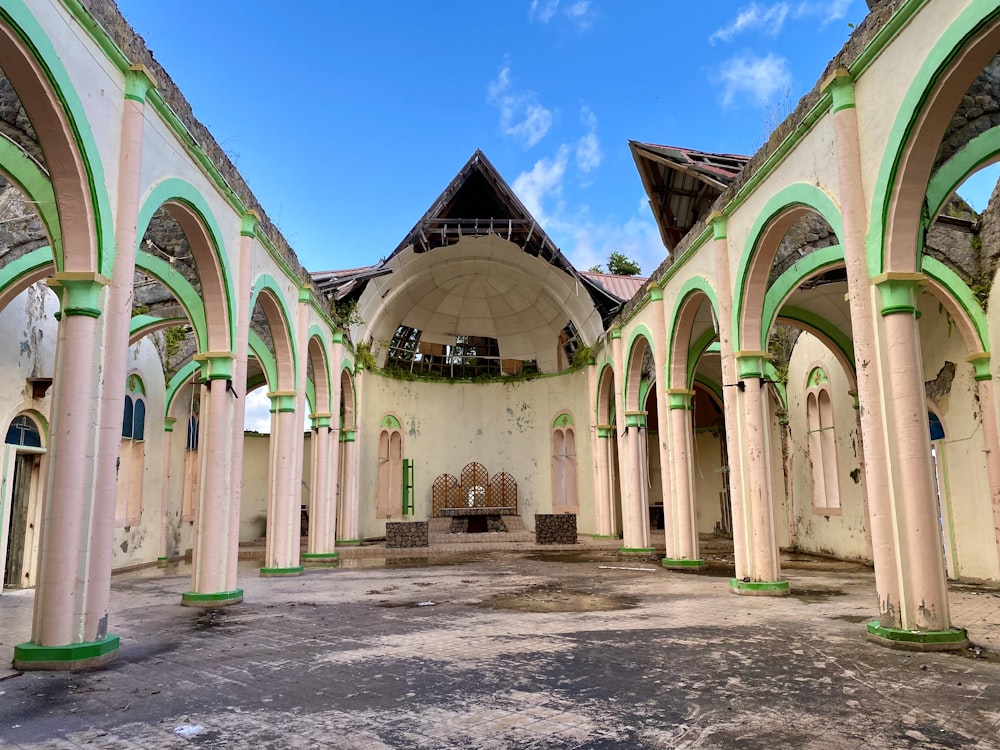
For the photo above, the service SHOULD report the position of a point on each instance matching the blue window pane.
(127, 418)
(139, 430)
(192, 439)
(24, 432)
(937, 429)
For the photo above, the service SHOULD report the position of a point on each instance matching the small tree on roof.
(622, 266)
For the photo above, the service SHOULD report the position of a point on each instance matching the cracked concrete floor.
(504, 652)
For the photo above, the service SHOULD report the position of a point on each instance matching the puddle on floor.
(549, 599)
(354, 563)
(573, 557)
(813, 596)
(853, 618)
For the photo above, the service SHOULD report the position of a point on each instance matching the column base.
(636, 550)
(953, 639)
(162, 562)
(679, 564)
(348, 542)
(320, 559)
(218, 599)
(605, 536)
(32, 657)
(282, 572)
(758, 588)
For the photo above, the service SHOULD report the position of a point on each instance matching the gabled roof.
(476, 203)
(623, 287)
(682, 184)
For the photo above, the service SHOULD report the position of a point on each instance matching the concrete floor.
(508, 651)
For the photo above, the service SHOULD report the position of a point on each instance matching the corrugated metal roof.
(623, 287)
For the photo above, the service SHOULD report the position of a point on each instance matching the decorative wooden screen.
(444, 494)
(503, 491)
(475, 486)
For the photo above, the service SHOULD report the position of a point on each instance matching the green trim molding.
(758, 588)
(679, 398)
(954, 639)
(899, 291)
(295, 570)
(216, 599)
(283, 401)
(635, 419)
(605, 431)
(840, 84)
(751, 364)
(320, 421)
(138, 83)
(672, 563)
(981, 362)
(216, 365)
(348, 542)
(30, 656)
(79, 292)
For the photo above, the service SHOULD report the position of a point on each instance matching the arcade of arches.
(809, 368)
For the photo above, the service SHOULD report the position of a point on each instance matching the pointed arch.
(267, 293)
(640, 343)
(680, 367)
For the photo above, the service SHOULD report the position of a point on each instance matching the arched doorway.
(19, 506)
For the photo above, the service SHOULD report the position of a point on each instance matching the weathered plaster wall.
(708, 480)
(827, 531)
(27, 350)
(504, 426)
(965, 496)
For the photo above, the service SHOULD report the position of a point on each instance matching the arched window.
(132, 455)
(564, 495)
(389, 491)
(822, 443)
(24, 433)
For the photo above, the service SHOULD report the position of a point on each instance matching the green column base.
(217, 599)
(348, 542)
(636, 550)
(605, 536)
(282, 572)
(32, 657)
(678, 564)
(162, 562)
(758, 588)
(319, 559)
(954, 639)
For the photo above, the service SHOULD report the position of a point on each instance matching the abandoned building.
(809, 367)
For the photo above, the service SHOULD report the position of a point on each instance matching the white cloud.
(542, 183)
(543, 10)
(258, 411)
(758, 77)
(522, 117)
(578, 13)
(588, 147)
(828, 10)
(769, 18)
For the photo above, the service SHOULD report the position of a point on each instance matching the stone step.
(485, 537)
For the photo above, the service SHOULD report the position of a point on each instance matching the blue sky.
(347, 119)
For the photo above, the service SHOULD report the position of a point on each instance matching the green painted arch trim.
(640, 331)
(797, 195)
(564, 419)
(826, 330)
(817, 376)
(310, 396)
(961, 293)
(644, 388)
(814, 263)
(181, 378)
(21, 19)
(175, 190)
(32, 180)
(691, 286)
(181, 288)
(267, 282)
(28, 265)
(259, 349)
(698, 347)
(605, 369)
(981, 151)
(977, 15)
(143, 325)
(771, 374)
(390, 422)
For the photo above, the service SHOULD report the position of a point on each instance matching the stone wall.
(555, 528)
(406, 534)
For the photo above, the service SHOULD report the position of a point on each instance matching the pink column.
(764, 561)
(626, 468)
(351, 522)
(283, 516)
(730, 395)
(167, 487)
(244, 287)
(686, 543)
(323, 496)
(923, 591)
(599, 463)
(855, 218)
(636, 536)
(661, 360)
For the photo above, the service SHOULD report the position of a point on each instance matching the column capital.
(899, 291)
(750, 364)
(615, 332)
(168, 424)
(655, 293)
(283, 401)
(605, 430)
(981, 361)
(679, 398)
(717, 220)
(840, 84)
(635, 419)
(347, 436)
(216, 365)
(139, 81)
(321, 420)
(305, 295)
(79, 292)
(248, 223)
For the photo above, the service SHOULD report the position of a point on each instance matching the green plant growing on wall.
(780, 345)
(365, 357)
(345, 312)
(173, 338)
(139, 309)
(583, 356)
